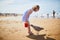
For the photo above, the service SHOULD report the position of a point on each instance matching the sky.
(19, 6)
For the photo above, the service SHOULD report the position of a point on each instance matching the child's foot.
(30, 33)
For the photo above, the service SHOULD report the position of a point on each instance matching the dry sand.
(11, 28)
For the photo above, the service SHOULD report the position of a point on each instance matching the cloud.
(18, 6)
(6, 2)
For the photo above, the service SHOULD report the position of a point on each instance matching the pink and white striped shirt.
(26, 15)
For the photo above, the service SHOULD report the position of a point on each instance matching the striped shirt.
(26, 15)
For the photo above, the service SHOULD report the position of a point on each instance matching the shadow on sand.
(39, 37)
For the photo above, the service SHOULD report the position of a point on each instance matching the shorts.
(26, 24)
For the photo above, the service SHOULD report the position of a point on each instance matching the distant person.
(47, 15)
(26, 16)
(53, 14)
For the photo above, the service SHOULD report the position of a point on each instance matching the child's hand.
(26, 24)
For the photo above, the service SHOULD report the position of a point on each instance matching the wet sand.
(11, 28)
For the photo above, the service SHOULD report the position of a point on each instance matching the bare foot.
(30, 33)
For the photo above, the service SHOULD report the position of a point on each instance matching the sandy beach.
(11, 28)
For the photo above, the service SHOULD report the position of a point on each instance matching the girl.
(26, 15)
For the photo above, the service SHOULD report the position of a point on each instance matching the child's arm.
(28, 13)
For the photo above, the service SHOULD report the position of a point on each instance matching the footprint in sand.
(1, 38)
(45, 30)
(16, 30)
(2, 28)
(13, 30)
(49, 35)
(10, 30)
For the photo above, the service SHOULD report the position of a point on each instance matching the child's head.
(36, 8)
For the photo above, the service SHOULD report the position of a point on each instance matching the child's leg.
(29, 29)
